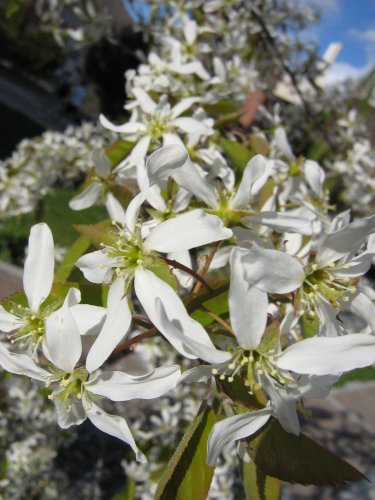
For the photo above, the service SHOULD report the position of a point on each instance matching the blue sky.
(350, 22)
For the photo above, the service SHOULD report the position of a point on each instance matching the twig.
(206, 266)
(187, 270)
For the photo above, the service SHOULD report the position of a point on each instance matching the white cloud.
(341, 71)
(366, 36)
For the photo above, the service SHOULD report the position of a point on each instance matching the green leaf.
(236, 152)
(97, 233)
(65, 268)
(299, 459)
(187, 476)
(218, 305)
(118, 151)
(257, 485)
(221, 108)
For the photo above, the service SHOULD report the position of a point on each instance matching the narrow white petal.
(271, 270)
(254, 177)
(191, 178)
(149, 288)
(144, 100)
(165, 161)
(183, 257)
(282, 222)
(115, 209)
(39, 266)
(21, 364)
(94, 266)
(192, 126)
(115, 327)
(282, 143)
(89, 319)
(335, 245)
(186, 231)
(119, 386)
(75, 416)
(87, 198)
(111, 424)
(328, 355)
(363, 307)
(315, 176)
(63, 340)
(208, 353)
(234, 428)
(101, 162)
(247, 304)
(183, 105)
(129, 128)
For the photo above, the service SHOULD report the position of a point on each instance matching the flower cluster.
(223, 250)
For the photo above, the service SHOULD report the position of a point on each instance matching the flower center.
(70, 388)
(157, 125)
(322, 283)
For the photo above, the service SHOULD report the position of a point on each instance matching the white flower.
(80, 387)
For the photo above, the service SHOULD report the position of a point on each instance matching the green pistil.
(70, 388)
(225, 212)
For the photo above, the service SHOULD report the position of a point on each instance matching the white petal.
(165, 161)
(183, 257)
(39, 266)
(21, 364)
(186, 231)
(116, 325)
(282, 143)
(115, 209)
(282, 222)
(9, 322)
(75, 416)
(63, 340)
(89, 319)
(119, 386)
(192, 126)
(283, 406)
(111, 424)
(315, 176)
(232, 429)
(207, 353)
(328, 324)
(183, 105)
(149, 288)
(144, 100)
(271, 270)
(363, 307)
(94, 266)
(101, 162)
(335, 245)
(87, 198)
(129, 128)
(191, 178)
(328, 355)
(247, 305)
(254, 177)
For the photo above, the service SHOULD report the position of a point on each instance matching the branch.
(187, 270)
